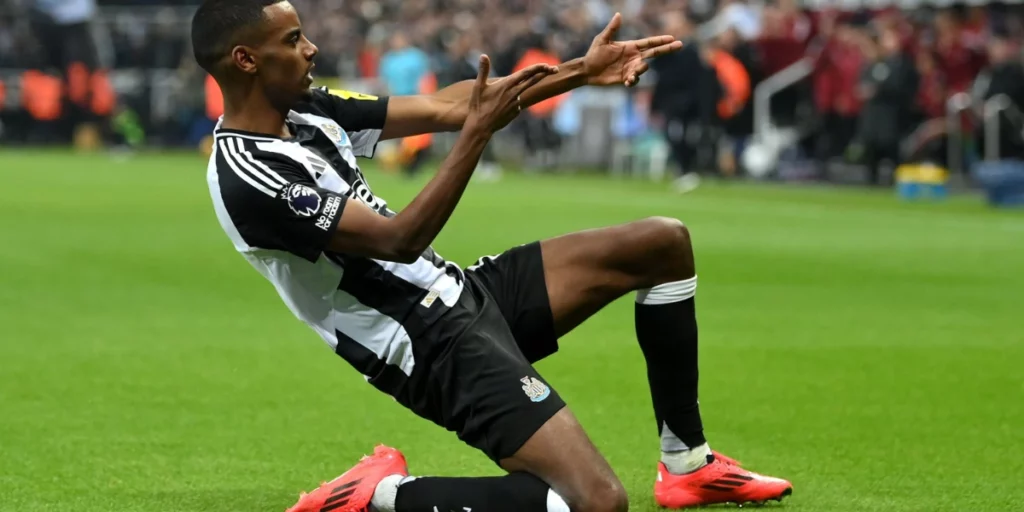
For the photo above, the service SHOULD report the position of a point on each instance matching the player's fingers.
(483, 72)
(655, 41)
(634, 74)
(525, 74)
(521, 75)
(611, 29)
(661, 50)
(526, 84)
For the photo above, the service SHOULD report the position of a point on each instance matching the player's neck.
(254, 114)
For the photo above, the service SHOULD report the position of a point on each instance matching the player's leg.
(558, 469)
(471, 378)
(497, 402)
(587, 270)
(561, 454)
(381, 483)
(545, 290)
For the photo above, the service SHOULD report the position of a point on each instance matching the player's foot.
(352, 491)
(717, 482)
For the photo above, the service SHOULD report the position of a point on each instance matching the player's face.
(285, 57)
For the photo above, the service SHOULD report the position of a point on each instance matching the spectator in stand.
(685, 99)
(403, 66)
(460, 63)
(927, 143)
(1003, 179)
(975, 30)
(738, 68)
(1005, 76)
(896, 20)
(838, 63)
(743, 17)
(785, 34)
(933, 90)
(959, 62)
(85, 98)
(540, 138)
(888, 87)
(405, 70)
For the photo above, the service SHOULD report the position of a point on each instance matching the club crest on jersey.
(334, 132)
(303, 200)
(535, 389)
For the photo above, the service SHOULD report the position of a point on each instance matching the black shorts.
(515, 280)
(482, 384)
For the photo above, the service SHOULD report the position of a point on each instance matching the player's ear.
(244, 59)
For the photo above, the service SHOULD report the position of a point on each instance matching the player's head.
(254, 43)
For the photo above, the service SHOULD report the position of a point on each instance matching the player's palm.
(494, 104)
(610, 62)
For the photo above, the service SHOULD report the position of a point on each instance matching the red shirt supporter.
(931, 93)
(975, 31)
(783, 40)
(893, 19)
(837, 71)
(959, 64)
(956, 60)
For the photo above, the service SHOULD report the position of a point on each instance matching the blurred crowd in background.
(875, 92)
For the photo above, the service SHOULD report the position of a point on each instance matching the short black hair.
(216, 26)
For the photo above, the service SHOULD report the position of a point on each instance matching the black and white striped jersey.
(279, 201)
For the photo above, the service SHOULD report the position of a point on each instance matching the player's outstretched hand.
(495, 103)
(611, 62)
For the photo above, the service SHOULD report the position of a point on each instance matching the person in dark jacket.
(685, 97)
(889, 88)
(1005, 77)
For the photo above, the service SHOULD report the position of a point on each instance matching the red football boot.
(352, 491)
(725, 459)
(717, 482)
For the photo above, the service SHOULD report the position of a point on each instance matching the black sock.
(514, 492)
(666, 327)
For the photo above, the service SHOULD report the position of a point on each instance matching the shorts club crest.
(535, 389)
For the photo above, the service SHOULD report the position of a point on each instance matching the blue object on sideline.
(1002, 181)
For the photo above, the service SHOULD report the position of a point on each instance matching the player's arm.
(405, 236)
(607, 62)
(447, 109)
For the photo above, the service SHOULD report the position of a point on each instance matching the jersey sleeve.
(275, 204)
(362, 116)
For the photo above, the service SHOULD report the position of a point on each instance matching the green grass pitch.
(869, 350)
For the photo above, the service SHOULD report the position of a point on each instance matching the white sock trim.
(556, 503)
(386, 493)
(668, 293)
(687, 461)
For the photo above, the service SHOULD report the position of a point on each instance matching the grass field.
(870, 351)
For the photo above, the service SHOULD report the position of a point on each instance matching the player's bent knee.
(670, 251)
(605, 496)
(672, 232)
